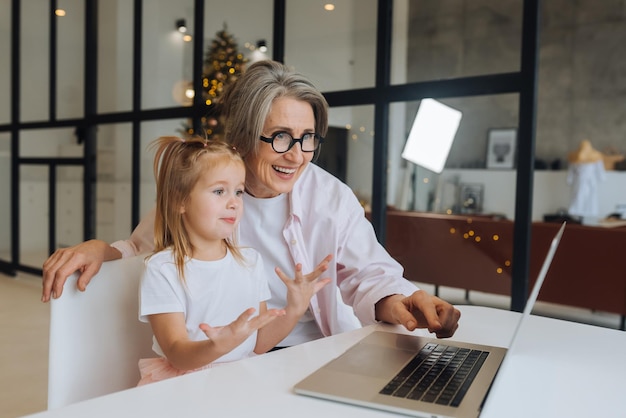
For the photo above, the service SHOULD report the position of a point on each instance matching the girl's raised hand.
(301, 289)
(226, 338)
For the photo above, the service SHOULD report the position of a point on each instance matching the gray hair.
(248, 101)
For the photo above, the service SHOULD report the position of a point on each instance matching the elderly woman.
(295, 212)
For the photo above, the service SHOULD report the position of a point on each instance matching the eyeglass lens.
(282, 142)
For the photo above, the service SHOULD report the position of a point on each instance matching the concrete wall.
(582, 70)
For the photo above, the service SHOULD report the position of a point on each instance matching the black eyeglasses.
(283, 142)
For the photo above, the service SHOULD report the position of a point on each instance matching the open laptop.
(418, 376)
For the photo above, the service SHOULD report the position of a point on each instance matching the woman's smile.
(271, 173)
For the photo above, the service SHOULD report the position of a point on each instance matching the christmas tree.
(223, 64)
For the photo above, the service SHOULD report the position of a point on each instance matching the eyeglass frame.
(270, 140)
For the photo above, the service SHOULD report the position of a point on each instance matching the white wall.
(551, 191)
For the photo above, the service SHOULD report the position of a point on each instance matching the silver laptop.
(418, 376)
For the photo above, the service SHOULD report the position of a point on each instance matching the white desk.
(554, 372)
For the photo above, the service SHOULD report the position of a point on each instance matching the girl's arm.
(185, 354)
(299, 293)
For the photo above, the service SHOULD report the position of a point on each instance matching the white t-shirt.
(216, 293)
(267, 217)
(325, 217)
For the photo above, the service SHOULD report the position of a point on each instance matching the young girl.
(199, 290)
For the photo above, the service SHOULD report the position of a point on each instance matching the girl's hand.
(226, 338)
(301, 289)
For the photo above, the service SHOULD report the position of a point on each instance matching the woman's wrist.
(383, 308)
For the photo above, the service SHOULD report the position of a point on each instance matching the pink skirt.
(156, 369)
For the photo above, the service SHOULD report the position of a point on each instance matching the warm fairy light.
(348, 126)
(507, 263)
(495, 237)
(187, 38)
(329, 6)
(499, 270)
(59, 12)
(469, 220)
(355, 137)
(477, 239)
(465, 235)
(189, 93)
(449, 212)
(453, 230)
(362, 129)
(471, 233)
(426, 180)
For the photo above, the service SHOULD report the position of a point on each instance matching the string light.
(59, 12)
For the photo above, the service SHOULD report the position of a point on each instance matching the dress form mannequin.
(585, 153)
(586, 170)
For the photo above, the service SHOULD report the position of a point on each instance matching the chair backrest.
(96, 338)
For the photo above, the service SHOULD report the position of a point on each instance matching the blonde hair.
(247, 103)
(177, 170)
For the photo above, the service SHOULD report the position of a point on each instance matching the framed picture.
(501, 145)
(471, 197)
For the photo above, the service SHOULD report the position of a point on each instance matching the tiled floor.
(24, 321)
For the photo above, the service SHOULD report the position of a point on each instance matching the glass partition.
(115, 56)
(164, 62)
(480, 164)
(253, 36)
(454, 229)
(354, 126)
(43, 143)
(69, 206)
(440, 40)
(349, 27)
(113, 189)
(150, 131)
(34, 74)
(5, 202)
(34, 219)
(5, 64)
(70, 91)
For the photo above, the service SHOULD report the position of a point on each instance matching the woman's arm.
(88, 256)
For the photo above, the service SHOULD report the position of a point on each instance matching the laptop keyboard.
(438, 374)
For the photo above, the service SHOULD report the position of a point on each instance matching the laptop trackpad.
(371, 360)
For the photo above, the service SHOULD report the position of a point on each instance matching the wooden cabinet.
(475, 253)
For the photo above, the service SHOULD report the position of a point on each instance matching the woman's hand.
(86, 257)
(420, 310)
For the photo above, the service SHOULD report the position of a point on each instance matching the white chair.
(96, 339)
